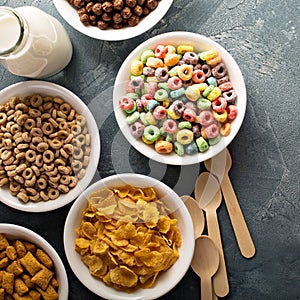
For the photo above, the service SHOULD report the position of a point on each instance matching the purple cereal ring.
(223, 79)
(231, 111)
(219, 70)
(196, 130)
(206, 118)
(174, 83)
(152, 88)
(126, 103)
(170, 126)
(211, 131)
(147, 71)
(190, 58)
(178, 107)
(230, 96)
(207, 70)
(219, 104)
(162, 74)
(189, 115)
(191, 105)
(137, 129)
(139, 105)
(159, 112)
(137, 82)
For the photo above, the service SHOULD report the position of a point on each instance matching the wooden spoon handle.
(220, 280)
(239, 225)
(206, 289)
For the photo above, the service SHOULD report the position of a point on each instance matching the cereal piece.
(49, 294)
(3, 242)
(42, 278)
(4, 262)
(30, 263)
(8, 282)
(20, 248)
(35, 295)
(15, 268)
(20, 287)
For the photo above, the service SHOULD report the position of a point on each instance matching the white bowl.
(12, 231)
(169, 278)
(200, 43)
(51, 89)
(69, 13)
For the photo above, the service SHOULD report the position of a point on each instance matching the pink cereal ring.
(219, 104)
(198, 76)
(189, 115)
(160, 51)
(126, 103)
(159, 112)
(152, 88)
(206, 118)
(146, 98)
(211, 131)
(226, 86)
(231, 111)
(170, 126)
(174, 83)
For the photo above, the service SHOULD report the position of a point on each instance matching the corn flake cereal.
(127, 237)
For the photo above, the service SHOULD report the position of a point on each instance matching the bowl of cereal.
(144, 239)
(49, 145)
(179, 98)
(113, 20)
(30, 266)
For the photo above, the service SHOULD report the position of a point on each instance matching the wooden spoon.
(208, 194)
(205, 264)
(220, 166)
(196, 214)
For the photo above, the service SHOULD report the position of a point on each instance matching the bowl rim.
(181, 37)
(69, 14)
(50, 88)
(22, 233)
(97, 286)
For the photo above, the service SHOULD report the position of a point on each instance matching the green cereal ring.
(215, 140)
(184, 124)
(130, 119)
(178, 149)
(169, 137)
(151, 133)
(146, 54)
(184, 136)
(161, 95)
(202, 144)
(143, 118)
(130, 111)
(133, 96)
(164, 85)
(207, 90)
(203, 104)
(191, 148)
(174, 71)
(145, 88)
(138, 76)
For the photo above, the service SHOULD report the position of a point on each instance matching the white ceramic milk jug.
(32, 43)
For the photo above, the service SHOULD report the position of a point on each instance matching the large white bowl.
(69, 13)
(12, 232)
(200, 43)
(166, 280)
(45, 88)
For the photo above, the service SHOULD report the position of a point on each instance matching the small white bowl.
(12, 232)
(45, 88)
(166, 280)
(69, 13)
(200, 43)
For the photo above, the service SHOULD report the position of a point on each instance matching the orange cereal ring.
(154, 62)
(225, 129)
(163, 147)
(171, 59)
(185, 72)
(214, 61)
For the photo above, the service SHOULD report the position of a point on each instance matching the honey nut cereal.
(26, 271)
(127, 237)
(179, 100)
(114, 13)
(44, 147)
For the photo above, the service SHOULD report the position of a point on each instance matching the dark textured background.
(263, 37)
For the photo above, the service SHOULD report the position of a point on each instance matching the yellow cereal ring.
(220, 117)
(154, 62)
(192, 93)
(146, 141)
(201, 86)
(225, 129)
(136, 68)
(172, 115)
(214, 94)
(151, 79)
(209, 54)
(184, 136)
(166, 103)
(214, 61)
(185, 72)
(163, 147)
(170, 49)
(171, 59)
(181, 49)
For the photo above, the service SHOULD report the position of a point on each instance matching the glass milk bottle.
(32, 43)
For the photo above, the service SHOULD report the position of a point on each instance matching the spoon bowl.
(196, 214)
(205, 264)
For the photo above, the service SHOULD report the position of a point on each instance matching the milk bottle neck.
(13, 31)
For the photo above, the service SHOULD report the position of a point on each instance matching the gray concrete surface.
(263, 37)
